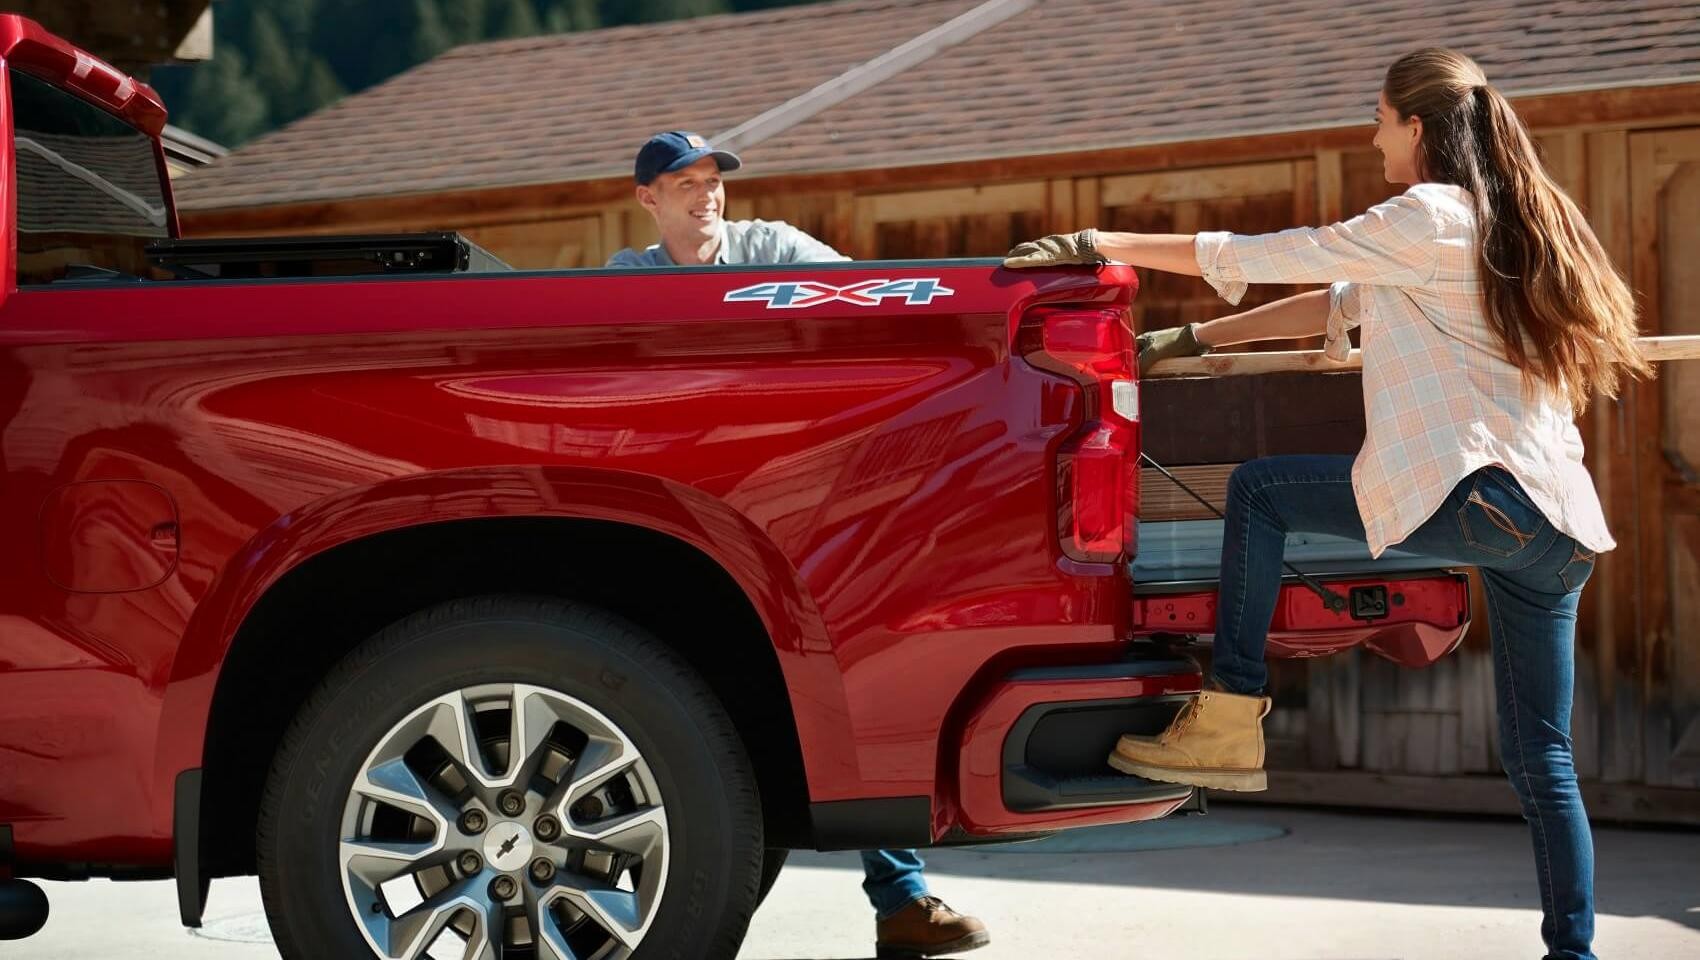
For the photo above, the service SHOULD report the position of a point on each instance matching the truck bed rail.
(1286, 361)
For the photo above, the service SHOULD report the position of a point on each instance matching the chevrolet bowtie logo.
(507, 846)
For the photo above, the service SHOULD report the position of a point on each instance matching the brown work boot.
(1216, 741)
(928, 928)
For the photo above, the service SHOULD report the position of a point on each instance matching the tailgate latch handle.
(1368, 603)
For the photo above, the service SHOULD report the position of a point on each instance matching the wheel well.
(319, 611)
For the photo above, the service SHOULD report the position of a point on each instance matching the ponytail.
(1557, 306)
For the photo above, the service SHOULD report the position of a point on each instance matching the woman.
(1488, 313)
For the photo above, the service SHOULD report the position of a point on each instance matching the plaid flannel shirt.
(1440, 400)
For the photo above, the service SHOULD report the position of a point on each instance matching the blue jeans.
(1533, 576)
(892, 879)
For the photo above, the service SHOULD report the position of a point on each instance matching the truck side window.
(89, 191)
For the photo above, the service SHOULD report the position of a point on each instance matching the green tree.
(294, 17)
(225, 104)
(565, 16)
(650, 11)
(318, 88)
(271, 67)
(463, 20)
(511, 18)
(430, 36)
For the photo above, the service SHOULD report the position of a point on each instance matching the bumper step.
(1026, 789)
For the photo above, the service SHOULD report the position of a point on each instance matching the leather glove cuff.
(1086, 246)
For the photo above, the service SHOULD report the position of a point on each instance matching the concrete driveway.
(1244, 882)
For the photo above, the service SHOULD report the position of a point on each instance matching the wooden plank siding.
(1631, 161)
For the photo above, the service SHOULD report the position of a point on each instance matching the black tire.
(667, 711)
(772, 862)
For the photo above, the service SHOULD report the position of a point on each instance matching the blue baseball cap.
(675, 150)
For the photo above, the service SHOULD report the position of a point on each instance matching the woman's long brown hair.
(1560, 310)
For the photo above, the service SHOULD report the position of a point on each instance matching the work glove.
(1168, 342)
(1056, 250)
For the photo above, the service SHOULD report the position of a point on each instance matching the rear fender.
(754, 562)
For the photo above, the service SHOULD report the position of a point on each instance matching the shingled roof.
(1058, 76)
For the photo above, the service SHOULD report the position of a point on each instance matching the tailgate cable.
(1333, 601)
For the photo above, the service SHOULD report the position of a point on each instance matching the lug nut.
(473, 822)
(511, 804)
(503, 888)
(542, 870)
(470, 863)
(547, 829)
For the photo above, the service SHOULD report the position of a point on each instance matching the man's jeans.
(1533, 576)
(893, 879)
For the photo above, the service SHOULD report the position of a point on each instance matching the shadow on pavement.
(1379, 858)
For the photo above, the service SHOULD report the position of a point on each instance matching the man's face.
(687, 204)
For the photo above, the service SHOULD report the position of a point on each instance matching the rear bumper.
(1423, 617)
(1032, 754)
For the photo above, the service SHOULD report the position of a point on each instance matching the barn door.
(1665, 176)
(1250, 198)
(544, 244)
(956, 222)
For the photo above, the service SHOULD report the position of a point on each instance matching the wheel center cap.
(507, 846)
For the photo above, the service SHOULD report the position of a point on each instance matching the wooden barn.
(953, 128)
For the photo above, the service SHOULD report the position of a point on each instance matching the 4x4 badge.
(867, 293)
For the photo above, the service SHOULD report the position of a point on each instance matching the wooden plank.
(1321, 742)
(1161, 499)
(1203, 184)
(1330, 187)
(1572, 156)
(1088, 203)
(1478, 702)
(865, 245)
(1612, 593)
(841, 228)
(1383, 730)
(1305, 207)
(1289, 361)
(957, 202)
(1252, 417)
(1624, 803)
(1347, 702)
(1061, 214)
(1676, 146)
(1585, 717)
(1649, 546)
(613, 224)
(1674, 708)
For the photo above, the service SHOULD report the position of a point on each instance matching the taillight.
(1097, 465)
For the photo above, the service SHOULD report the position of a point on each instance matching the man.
(679, 183)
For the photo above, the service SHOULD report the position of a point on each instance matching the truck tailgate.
(1172, 551)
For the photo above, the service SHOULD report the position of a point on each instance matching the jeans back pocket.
(1576, 572)
(1497, 517)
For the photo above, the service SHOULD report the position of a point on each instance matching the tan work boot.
(928, 928)
(1216, 741)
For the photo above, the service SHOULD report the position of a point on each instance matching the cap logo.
(696, 141)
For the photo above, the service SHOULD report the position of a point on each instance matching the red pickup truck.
(544, 611)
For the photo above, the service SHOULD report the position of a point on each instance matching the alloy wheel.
(504, 820)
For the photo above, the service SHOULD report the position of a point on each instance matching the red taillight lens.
(1097, 465)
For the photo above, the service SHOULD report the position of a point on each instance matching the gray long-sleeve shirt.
(744, 242)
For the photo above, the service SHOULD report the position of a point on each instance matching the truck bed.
(1190, 551)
